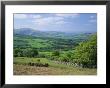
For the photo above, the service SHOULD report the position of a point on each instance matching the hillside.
(46, 52)
(48, 40)
(50, 34)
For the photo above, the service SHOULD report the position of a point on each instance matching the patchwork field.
(55, 53)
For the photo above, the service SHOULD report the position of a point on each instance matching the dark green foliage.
(17, 52)
(56, 53)
(25, 52)
(86, 53)
(38, 64)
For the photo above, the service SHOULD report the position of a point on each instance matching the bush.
(86, 53)
(25, 52)
(56, 53)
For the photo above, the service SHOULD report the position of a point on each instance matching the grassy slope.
(53, 69)
(56, 69)
(32, 70)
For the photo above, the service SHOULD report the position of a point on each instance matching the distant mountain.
(36, 33)
(24, 31)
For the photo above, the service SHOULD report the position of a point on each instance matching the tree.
(86, 52)
(25, 52)
(31, 52)
(34, 52)
(56, 53)
(17, 52)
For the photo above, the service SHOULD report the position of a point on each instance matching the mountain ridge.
(37, 33)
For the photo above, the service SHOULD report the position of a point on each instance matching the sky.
(62, 22)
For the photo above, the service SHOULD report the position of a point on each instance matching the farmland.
(31, 53)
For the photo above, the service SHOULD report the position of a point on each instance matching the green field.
(21, 68)
(55, 53)
(49, 43)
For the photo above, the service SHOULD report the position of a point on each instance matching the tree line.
(25, 52)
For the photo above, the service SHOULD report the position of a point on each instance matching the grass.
(38, 43)
(32, 70)
(25, 60)
(53, 69)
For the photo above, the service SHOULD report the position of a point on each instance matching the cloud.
(20, 16)
(24, 16)
(74, 15)
(92, 17)
(48, 20)
(61, 22)
(18, 26)
(35, 16)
